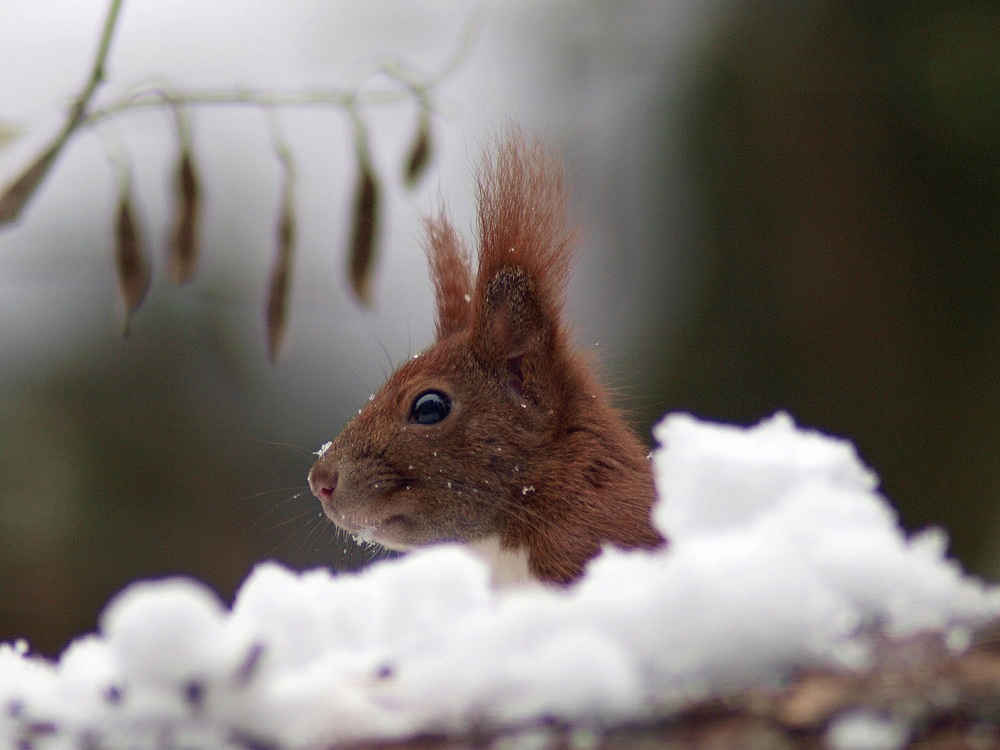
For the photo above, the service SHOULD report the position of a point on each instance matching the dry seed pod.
(130, 262)
(420, 151)
(362, 255)
(281, 281)
(20, 191)
(183, 258)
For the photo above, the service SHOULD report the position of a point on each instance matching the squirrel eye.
(430, 408)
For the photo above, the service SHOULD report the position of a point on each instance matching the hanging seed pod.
(25, 185)
(362, 253)
(276, 314)
(184, 246)
(420, 151)
(130, 261)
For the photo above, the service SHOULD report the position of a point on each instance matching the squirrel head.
(498, 429)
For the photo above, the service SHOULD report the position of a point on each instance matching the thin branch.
(411, 86)
(98, 68)
(22, 188)
(159, 97)
(16, 195)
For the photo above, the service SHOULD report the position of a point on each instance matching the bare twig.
(409, 86)
(387, 82)
(98, 68)
(22, 188)
(16, 195)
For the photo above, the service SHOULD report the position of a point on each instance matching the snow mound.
(782, 554)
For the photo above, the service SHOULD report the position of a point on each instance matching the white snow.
(865, 731)
(782, 554)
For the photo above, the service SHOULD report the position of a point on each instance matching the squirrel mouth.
(366, 530)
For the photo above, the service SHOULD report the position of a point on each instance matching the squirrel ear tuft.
(451, 273)
(523, 219)
(525, 250)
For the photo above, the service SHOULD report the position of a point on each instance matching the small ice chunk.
(365, 535)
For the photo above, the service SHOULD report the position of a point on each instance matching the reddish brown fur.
(531, 451)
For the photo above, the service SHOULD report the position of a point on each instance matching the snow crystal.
(782, 554)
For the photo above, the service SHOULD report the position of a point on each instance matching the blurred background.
(786, 206)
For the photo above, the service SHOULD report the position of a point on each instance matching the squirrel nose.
(323, 481)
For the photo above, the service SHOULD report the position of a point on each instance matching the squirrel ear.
(514, 325)
(451, 272)
(524, 259)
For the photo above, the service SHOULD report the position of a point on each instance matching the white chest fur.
(509, 566)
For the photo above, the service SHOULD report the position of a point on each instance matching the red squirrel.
(498, 435)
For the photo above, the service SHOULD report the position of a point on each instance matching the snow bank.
(782, 554)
